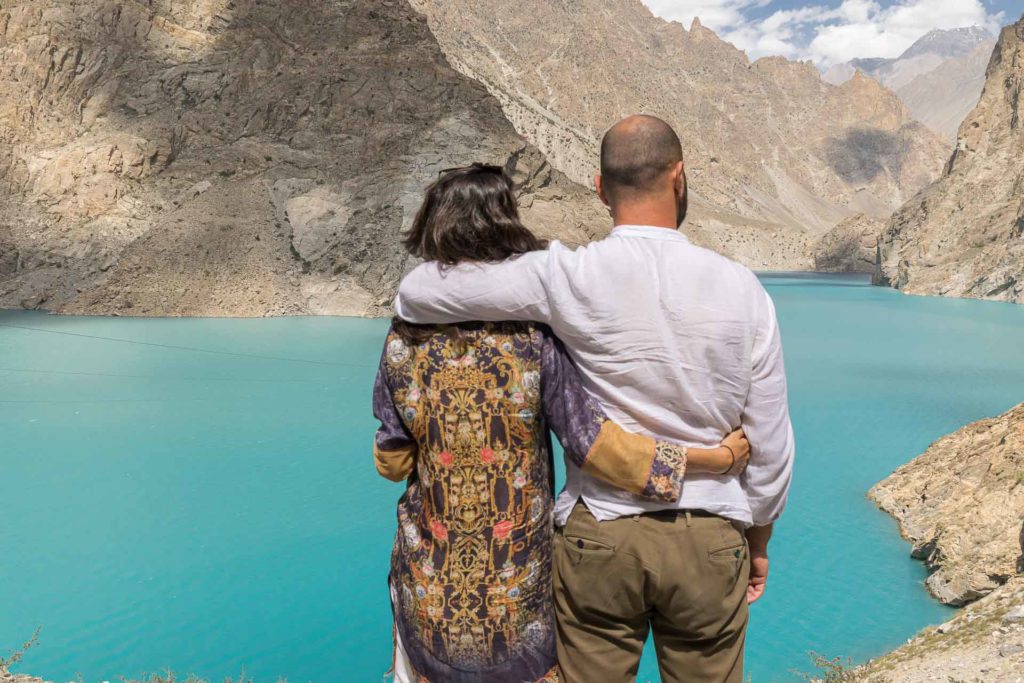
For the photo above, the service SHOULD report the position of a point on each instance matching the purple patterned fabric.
(665, 483)
(577, 418)
(574, 415)
(392, 433)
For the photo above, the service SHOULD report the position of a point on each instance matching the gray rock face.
(964, 235)
(943, 97)
(849, 247)
(961, 504)
(234, 157)
(955, 42)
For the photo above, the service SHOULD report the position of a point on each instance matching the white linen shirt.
(674, 341)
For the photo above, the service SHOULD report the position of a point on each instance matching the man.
(677, 342)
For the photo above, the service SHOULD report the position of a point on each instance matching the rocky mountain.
(849, 247)
(943, 97)
(939, 77)
(946, 43)
(924, 56)
(964, 235)
(235, 157)
(776, 157)
(961, 504)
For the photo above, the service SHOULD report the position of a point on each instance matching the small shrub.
(834, 670)
(17, 655)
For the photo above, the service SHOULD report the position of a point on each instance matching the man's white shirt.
(674, 341)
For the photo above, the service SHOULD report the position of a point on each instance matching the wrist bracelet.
(733, 454)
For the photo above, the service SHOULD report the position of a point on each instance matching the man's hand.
(758, 577)
(757, 539)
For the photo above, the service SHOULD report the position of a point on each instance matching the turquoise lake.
(199, 495)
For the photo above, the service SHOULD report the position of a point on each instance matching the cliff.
(235, 157)
(849, 247)
(776, 157)
(963, 236)
(961, 504)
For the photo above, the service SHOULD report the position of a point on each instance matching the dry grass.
(166, 677)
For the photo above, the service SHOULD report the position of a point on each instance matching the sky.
(834, 31)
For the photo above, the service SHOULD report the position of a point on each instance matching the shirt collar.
(650, 232)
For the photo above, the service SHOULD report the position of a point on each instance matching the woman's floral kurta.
(471, 565)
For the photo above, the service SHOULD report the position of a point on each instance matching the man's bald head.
(636, 155)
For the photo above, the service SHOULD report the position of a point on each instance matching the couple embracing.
(653, 361)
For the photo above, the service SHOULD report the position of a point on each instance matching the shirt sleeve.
(766, 421)
(511, 290)
(394, 449)
(639, 464)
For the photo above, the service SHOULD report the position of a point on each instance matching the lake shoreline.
(959, 504)
(383, 311)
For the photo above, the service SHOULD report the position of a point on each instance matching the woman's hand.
(720, 460)
(735, 454)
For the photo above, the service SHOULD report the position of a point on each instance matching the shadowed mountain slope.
(234, 157)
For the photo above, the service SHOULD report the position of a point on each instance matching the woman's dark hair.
(468, 214)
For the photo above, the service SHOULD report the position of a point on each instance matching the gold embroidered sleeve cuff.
(637, 463)
(395, 465)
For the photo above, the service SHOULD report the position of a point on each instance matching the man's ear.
(600, 191)
(682, 194)
(679, 179)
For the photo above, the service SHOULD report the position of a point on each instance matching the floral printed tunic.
(465, 416)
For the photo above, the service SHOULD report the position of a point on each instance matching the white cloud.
(716, 14)
(828, 35)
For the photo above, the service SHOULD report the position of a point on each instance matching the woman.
(465, 412)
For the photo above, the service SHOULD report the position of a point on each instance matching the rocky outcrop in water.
(961, 504)
(235, 157)
(964, 235)
(776, 157)
(849, 247)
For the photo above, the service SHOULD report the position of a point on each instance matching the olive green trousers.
(681, 576)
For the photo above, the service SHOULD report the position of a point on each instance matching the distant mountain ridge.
(955, 42)
(939, 77)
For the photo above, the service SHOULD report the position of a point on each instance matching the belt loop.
(688, 518)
